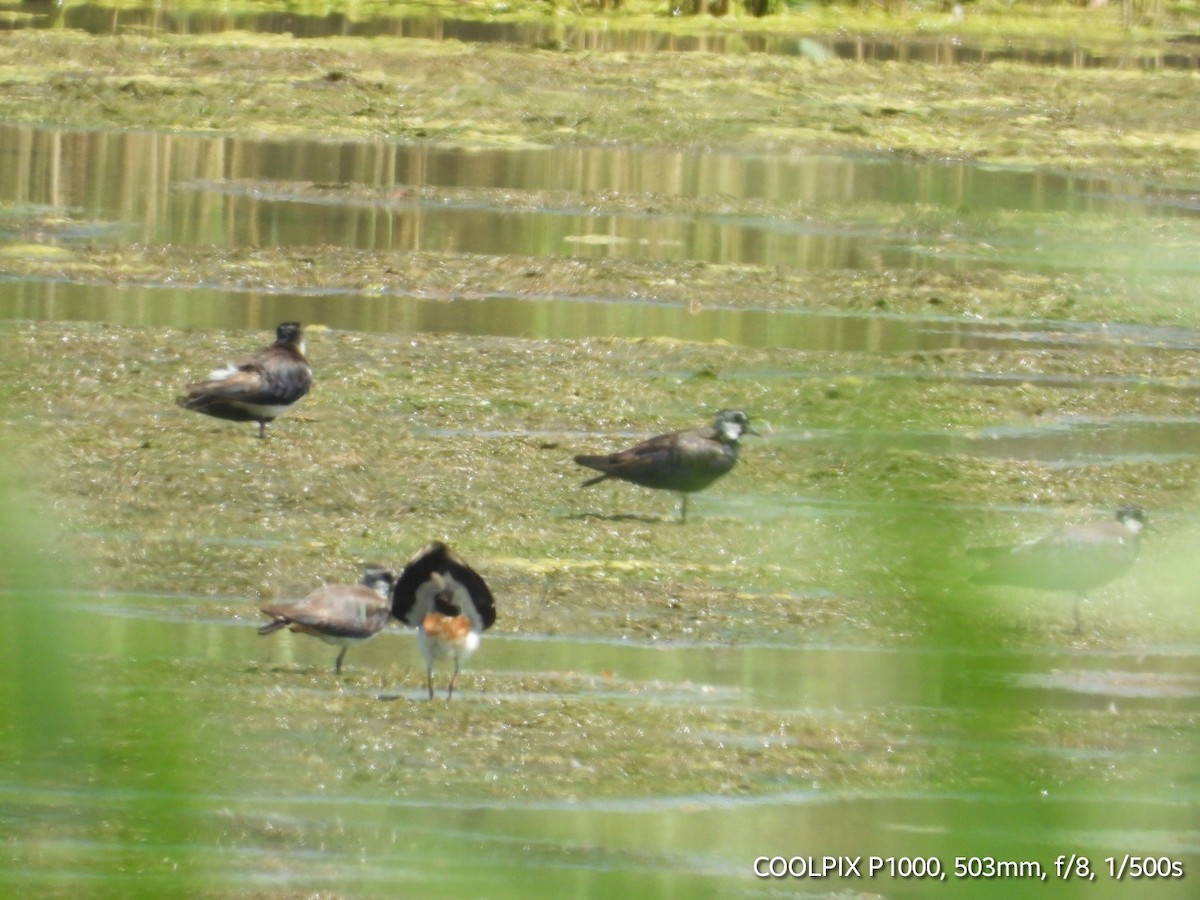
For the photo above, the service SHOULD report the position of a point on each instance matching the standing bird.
(449, 605)
(682, 461)
(259, 388)
(341, 614)
(1078, 558)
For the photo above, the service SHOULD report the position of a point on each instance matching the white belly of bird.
(432, 648)
(265, 410)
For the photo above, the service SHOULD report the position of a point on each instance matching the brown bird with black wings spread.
(448, 603)
(259, 388)
(1078, 558)
(682, 461)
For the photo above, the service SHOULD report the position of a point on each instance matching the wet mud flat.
(804, 648)
(1092, 119)
(863, 462)
(658, 703)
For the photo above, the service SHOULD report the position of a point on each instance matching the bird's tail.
(272, 627)
(593, 462)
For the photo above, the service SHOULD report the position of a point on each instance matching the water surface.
(231, 831)
(163, 735)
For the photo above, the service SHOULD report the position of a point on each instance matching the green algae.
(1095, 120)
(412, 436)
(407, 439)
(988, 20)
(1032, 266)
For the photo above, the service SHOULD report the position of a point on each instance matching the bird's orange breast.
(450, 629)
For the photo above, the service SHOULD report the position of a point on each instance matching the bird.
(1078, 558)
(340, 614)
(448, 603)
(259, 388)
(682, 461)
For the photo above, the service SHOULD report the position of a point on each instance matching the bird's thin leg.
(683, 510)
(429, 679)
(262, 429)
(337, 665)
(450, 690)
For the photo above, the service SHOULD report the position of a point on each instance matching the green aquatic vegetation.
(183, 736)
(1105, 274)
(991, 20)
(186, 757)
(1094, 120)
(407, 439)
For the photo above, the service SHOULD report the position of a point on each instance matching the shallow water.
(194, 713)
(233, 831)
(380, 196)
(65, 190)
